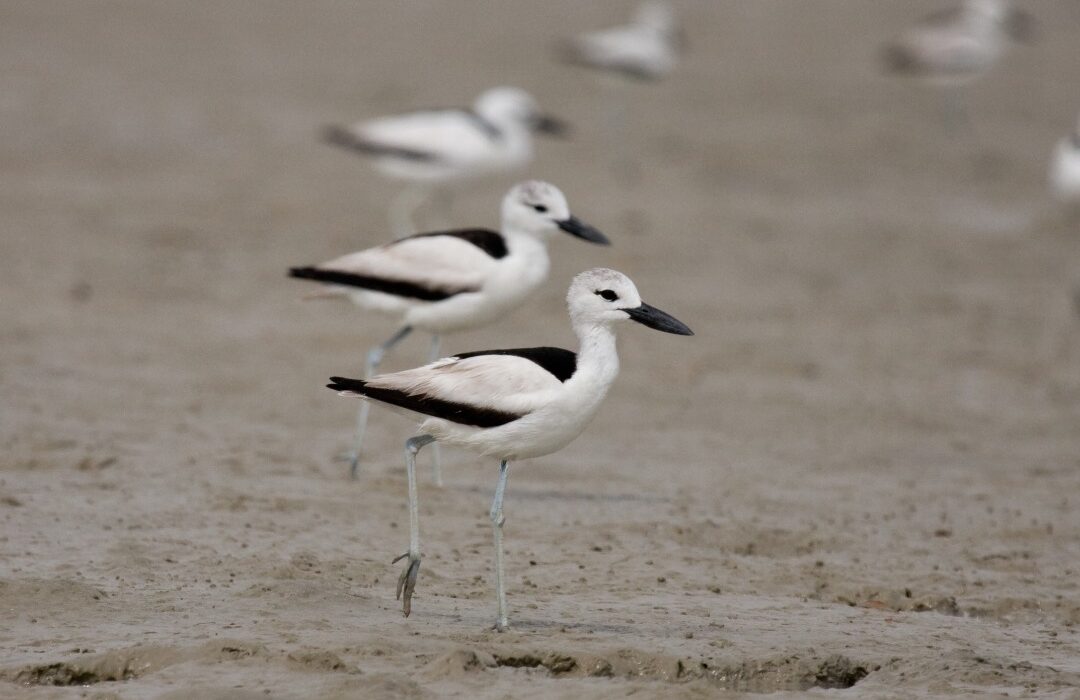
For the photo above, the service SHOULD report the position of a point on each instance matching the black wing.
(399, 288)
(457, 412)
(560, 363)
(491, 242)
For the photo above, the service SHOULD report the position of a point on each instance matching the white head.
(655, 15)
(1001, 16)
(511, 106)
(539, 209)
(602, 297)
(996, 10)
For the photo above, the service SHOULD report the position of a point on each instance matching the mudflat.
(862, 472)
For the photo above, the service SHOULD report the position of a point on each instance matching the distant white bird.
(647, 48)
(432, 148)
(1065, 168)
(956, 46)
(452, 281)
(512, 404)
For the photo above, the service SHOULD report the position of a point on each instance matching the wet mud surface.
(863, 472)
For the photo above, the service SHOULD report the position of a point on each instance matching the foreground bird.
(431, 148)
(453, 280)
(1065, 168)
(647, 48)
(954, 47)
(512, 404)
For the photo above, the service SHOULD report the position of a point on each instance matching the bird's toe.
(407, 582)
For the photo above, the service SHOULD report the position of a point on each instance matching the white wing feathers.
(501, 382)
(945, 50)
(434, 262)
(630, 48)
(447, 135)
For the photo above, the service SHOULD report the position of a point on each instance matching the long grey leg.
(371, 366)
(407, 581)
(402, 209)
(436, 449)
(497, 519)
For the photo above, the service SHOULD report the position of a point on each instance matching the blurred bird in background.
(431, 149)
(1064, 179)
(647, 48)
(1065, 171)
(952, 48)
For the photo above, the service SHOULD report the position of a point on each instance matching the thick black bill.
(552, 126)
(576, 227)
(655, 318)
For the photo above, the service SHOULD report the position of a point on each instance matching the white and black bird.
(957, 46)
(452, 281)
(1065, 168)
(647, 48)
(512, 404)
(432, 148)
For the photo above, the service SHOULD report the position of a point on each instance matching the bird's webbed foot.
(407, 581)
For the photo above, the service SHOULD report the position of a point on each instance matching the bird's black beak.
(655, 318)
(576, 227)
(552, 126)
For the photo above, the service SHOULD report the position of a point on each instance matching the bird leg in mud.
(497, 520)
(407, 581)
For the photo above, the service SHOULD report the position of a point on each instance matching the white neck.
(598, 358)
(526, 245)
(520, 273)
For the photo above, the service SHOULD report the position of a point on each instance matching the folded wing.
(481, 390)
(427, 267)
(446, 136)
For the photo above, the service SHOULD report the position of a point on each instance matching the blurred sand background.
(865, 468)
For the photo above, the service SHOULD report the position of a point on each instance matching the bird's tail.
(570, 51)
(312, 273)
(348, 387)
(337, 135)
(897, 59)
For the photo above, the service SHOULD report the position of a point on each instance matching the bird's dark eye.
(607, 294)
(540, 208)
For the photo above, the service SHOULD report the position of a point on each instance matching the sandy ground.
(864, 469)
